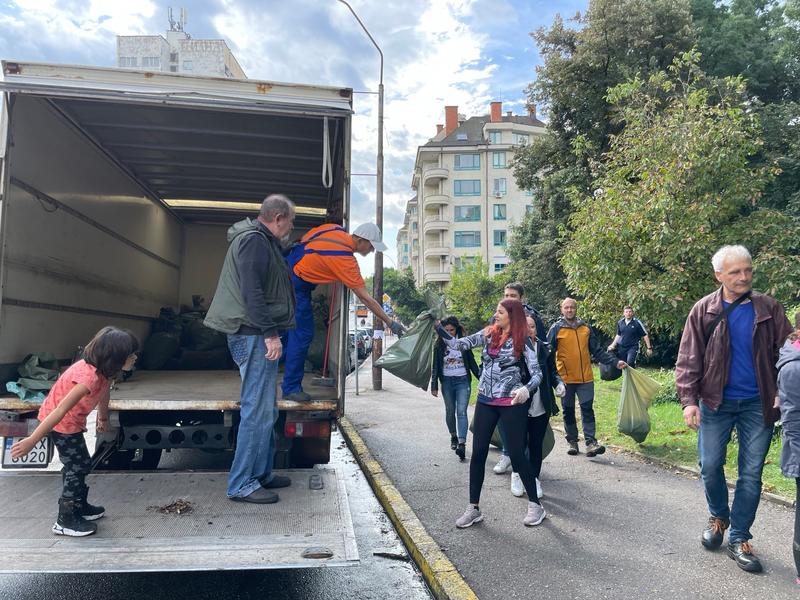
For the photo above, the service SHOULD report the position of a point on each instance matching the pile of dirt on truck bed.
(179, 507)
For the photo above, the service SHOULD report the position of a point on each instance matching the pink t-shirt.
(75, 420)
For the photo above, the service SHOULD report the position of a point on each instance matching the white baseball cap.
(370, 231)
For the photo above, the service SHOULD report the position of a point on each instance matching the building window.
(495, 137)
(467, 162)
(498, 267)
(467, 213)
(151, 61)
(520, 139)
(467, 187)
(414, 227)
(173, 68)
(467, 239)
(500, 212)
(188, 65)
(405, 247)
(128, 61)
(499, 186)
(500, 237)
(499, 160)
(228, 72)
(462, 262)
(173, 57)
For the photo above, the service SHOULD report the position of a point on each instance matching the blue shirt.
(742, 384)
(630, 333)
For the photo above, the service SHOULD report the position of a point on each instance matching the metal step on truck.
(116, 191)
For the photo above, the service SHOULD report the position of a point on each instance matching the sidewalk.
(617, 527)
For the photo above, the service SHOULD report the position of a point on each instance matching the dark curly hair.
(109, 349)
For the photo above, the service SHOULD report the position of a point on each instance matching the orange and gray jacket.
(701, 370)
(575, 345)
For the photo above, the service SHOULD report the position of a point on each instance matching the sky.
(436, 52)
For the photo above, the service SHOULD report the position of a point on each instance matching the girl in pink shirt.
(82, 387)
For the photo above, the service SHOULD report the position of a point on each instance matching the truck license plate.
(38, 458)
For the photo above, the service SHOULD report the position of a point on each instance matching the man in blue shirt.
(629, 331)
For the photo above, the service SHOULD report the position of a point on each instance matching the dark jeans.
(77, 463)
(628, 354)
(585, 393)
(514, 419)
(754, 441)
(537, 426)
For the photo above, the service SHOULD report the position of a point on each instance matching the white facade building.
(467, 198)
(178, 52)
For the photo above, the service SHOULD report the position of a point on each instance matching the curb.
(439, 573)
(665, 464)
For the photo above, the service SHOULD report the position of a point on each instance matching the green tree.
(472, 295)
(678, 184)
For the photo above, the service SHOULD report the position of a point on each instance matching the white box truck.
(116, 191)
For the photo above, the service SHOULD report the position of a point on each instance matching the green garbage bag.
(37, 374)
(411, 356)
(638, 391)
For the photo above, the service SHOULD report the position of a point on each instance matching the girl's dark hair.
(453, 321)
(109, 349)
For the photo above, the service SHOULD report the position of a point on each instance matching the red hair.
(517, 330)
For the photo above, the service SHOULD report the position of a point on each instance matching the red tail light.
(307, 429)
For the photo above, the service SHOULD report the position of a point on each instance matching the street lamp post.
(377, 285)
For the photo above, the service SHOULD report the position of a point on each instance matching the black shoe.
(461, 451)
(88, 511)
(742, 553)
(593, 449)
(260, 496)
(298, 396)
(69, 522)
(573, 448)
(714, 532)
(453, 442)
(277, 481)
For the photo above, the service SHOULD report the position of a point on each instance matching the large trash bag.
(609, 372)
(37, 374)
(159, 348)
(411, 356)
(638, 391)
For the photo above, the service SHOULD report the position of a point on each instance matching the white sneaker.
(470, 516)
(535, 514)
(539, 491)
(503, 465)
(516, 485)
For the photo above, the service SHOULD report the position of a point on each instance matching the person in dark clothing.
(454, 368)
(626, 343)
(253, 305)
(789, 392)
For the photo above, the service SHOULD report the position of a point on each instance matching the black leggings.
(77, 463)
(796, 544)
(537, 426)
(514, 419)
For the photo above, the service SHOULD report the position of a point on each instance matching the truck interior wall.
(204, 249)
(65, 276)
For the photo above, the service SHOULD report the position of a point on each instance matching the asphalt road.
(617, 526)
(377, 577)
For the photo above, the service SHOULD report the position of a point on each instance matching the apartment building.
(466, 196)
(178, 52)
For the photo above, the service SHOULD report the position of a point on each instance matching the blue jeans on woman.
(258, 412)
(455, 393)
(712, 443)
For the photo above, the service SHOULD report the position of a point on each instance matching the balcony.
(435, 223)
(434, 175)
(436, 249)
(437, 276)
(435, 200)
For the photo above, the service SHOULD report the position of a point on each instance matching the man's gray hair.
(727, 253)
(276, 205)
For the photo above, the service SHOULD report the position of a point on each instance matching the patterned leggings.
(77, 463)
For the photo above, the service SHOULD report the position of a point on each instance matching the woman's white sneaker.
(503, 465)
(470, 516)
(516, 485)
(536, 514)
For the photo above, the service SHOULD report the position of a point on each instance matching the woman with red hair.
(503, 395)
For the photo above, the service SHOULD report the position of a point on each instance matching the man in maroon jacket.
(726, 378)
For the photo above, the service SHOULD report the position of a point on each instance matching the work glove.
(520, 395)
(561, 390)
(397, 328)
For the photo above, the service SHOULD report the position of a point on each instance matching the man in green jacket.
(253, 305)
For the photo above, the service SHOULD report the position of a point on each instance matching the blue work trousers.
(299, 339)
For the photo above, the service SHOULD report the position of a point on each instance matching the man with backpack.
(326, 254)
(726, 377)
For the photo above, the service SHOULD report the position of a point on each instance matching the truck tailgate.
(142, 530)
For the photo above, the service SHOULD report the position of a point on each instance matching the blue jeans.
(455, 393)
(298, 339)
(255, 442)
(712, 443)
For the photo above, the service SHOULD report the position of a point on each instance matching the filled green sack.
(410, 357)
(638, 391)
(159, 348)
